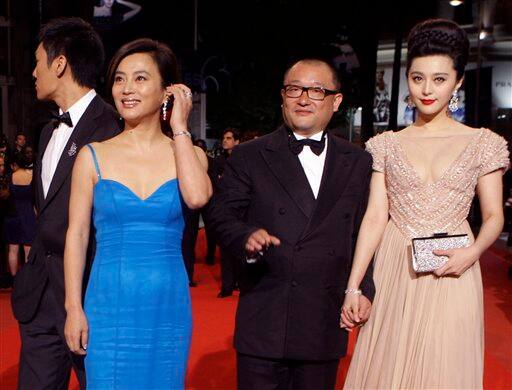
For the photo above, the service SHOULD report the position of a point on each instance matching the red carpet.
(212, 358)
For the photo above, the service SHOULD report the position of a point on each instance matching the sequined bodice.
(422, 209)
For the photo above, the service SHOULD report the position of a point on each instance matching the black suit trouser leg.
(256, 373)
(45, 360)
(228, 270)
(188, 244)
(211, 245)
(315, 375)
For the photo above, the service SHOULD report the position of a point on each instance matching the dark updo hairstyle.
(439, 37)
(161, 53)
(22, 161)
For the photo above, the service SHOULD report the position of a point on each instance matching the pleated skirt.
(424, 332)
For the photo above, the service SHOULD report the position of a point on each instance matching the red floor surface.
(212, 358)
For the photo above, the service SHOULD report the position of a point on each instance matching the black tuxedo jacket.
(291, 298)
(45, 262)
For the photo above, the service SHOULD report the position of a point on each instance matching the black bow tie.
(296, 145)
(63, 118)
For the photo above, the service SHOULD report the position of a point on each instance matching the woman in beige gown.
(426, 330)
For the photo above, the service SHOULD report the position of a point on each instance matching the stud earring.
(454, 102)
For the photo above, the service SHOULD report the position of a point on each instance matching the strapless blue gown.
(137, 301)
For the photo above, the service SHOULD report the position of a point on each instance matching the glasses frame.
(326, 91)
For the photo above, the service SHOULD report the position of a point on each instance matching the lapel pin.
(72, 150)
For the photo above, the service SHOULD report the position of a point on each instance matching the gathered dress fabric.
(137, 300)
(425, 332)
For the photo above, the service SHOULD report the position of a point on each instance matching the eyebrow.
(435, 74)
(136, 72)
(299, 82)
(314, 84)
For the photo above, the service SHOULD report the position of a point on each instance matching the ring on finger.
(188, 94)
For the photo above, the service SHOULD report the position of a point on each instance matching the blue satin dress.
(137, 301)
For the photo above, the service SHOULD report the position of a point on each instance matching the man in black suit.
(289, 208)
(229, 268)
(68, 61)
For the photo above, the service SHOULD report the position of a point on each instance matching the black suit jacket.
(290, 300)
(45, 262)
(216, 169)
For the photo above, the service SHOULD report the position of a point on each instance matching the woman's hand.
(181, 107)
(355, 311)
(76, 331)
(459, 260)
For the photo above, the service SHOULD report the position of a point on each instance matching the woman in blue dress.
(135, 325)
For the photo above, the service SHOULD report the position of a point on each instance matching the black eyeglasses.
(314, 93)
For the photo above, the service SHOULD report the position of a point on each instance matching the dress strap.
(96, 165)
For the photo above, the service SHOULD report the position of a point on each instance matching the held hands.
(259, 241)
(76, 331)
(355, 311)
(182, 105)
(459, 260)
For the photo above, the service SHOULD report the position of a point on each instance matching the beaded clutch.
(423, 260)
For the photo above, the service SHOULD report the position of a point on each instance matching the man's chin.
(303, 128)
(44, 97)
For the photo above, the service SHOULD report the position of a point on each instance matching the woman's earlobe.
(460, 83)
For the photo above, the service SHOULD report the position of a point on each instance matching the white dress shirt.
(60, 138)
(312, 164)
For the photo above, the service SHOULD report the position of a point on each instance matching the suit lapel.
(79, 137)
(46, 135)
(286, 167)
(334, 181)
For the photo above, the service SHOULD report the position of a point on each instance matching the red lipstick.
(427, 102)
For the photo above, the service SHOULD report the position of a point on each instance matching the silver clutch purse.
(423, 260)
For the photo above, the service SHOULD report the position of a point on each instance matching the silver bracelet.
(184, 132)
(354, 291)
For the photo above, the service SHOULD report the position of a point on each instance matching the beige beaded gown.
(425, 332)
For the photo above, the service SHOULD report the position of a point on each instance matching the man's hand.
(365, 308)
(259, 241)
(355, 311)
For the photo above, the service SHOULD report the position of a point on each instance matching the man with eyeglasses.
(289, 207)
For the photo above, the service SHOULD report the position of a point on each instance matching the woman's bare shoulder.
(405, 131)
(462, 129)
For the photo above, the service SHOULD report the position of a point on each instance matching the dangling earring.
(164, 109)
(410, 104)
(454, 101)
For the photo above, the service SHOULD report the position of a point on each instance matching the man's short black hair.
(234, 131)
(76, 40)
